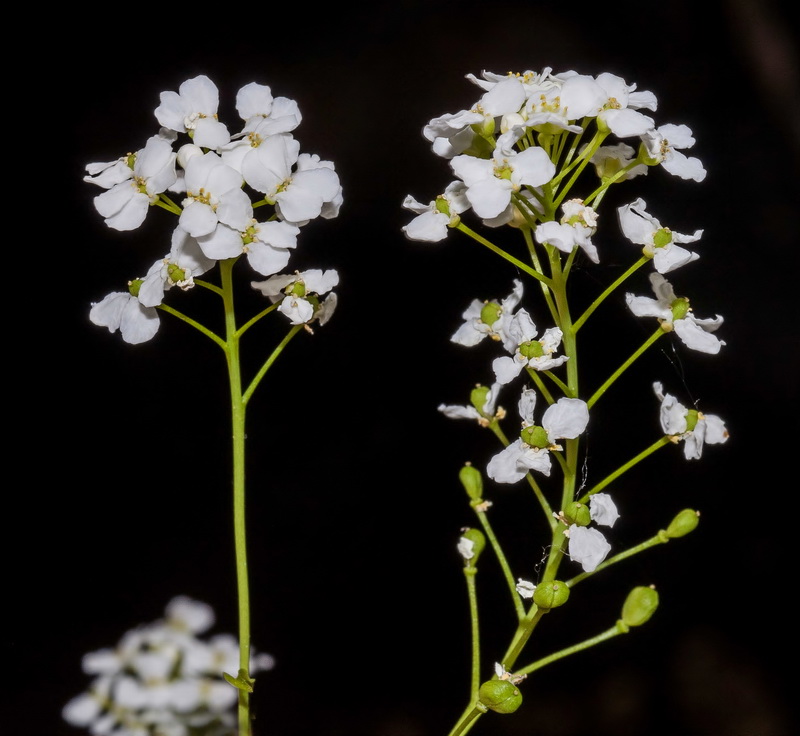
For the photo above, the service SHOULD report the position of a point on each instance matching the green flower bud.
(475, 544)
(501, 696)
(680, 308)
(134, 286)
(577, 513)
(686, 521)
(472, 480)
(639, 606)
(662, 237)
(551, 595)
(490, 313)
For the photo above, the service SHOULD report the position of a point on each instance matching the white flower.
(528, 351)
(193, 110)
(490, 182)
(663, 146)
(293, 290)
(483, 414)
(609, 160)
(487, 319)
(123, 311)
(566, 419)
(659, 242)
(587, 546)
(603, 510)
(300, 195)
(525, 588)
(576, 227)
(214, 197)
(693, 427)
(125, 204)
(265, 115)
(695, 333)
(433, 219)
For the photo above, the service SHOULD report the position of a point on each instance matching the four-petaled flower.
(576, 227)
(674, 314)
(528, 351)
(691, 426)
(487, 319)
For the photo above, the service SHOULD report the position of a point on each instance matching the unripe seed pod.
(551, 595)
(686, 521)
(577, 513)
(477, 397)
(472, 480)
(501, 696)
(639, 606)
(535, 436)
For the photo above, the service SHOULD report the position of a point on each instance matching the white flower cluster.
(222, 178)
(162, 680)
(497, 151)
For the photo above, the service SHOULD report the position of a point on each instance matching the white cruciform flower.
(587, 546)
(663, 145)
(487, 319)
(674, 314)
(193, 110)
(434, 219)
(482, 409)
(528, 351)
(693, 427)
(619, 111)
(566, 419)
(300, 195)
(122, 310)
(577, 225)
(264, 114)
(298, 293)
(214, 196)
(659, 242)
(608, 161)
(130, 193)
(491, 182)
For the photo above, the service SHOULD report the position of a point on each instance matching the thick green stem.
(239, 528)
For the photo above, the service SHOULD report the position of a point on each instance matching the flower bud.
(686, 521)
(577, 513)
(501, 696)
(471, 544)
(639, 606)
(551, 594)
(472, 480)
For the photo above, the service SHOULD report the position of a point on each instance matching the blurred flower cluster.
(162, 679)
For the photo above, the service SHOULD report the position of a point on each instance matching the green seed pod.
(551, 595)
(692, 417)
(472, 480)
(686, 521)
(501, 696)
(531, 349)
(477, 397)
(535, 436)
(577, 513)
(680, 308)
(662, 237)
(639, 606)
(134, 286)
(475, 543)
(490, 313)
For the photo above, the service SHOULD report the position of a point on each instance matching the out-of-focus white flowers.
(162, 679)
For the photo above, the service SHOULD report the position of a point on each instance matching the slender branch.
(189, 321)
(268, 363)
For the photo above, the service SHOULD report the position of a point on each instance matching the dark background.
(353, 501)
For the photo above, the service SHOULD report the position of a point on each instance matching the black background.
(120, 498)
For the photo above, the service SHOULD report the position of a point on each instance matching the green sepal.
(501, 696)
(242, 682)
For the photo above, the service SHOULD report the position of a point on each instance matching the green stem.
(238, 409)
(268, 363)
(599, 639)
(499, 251)
(660, 538)
(666, 439)
(627, 364)
(469, 574)
(597, 302)
(467, 720)
(189, 321)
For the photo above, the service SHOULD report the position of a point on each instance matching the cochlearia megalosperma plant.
(236, 203)
(537, 153)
